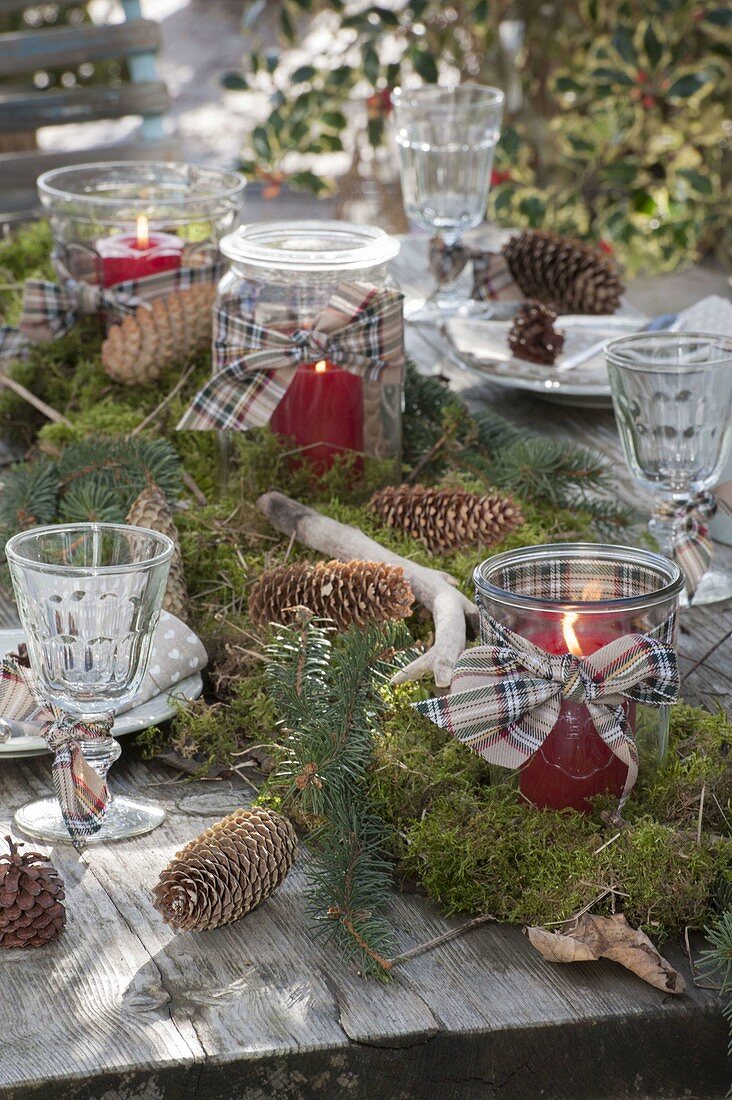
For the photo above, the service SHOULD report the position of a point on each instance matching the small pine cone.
(447, 519)
(360, 592)
(533, 336)
(226, 871)
(31, 893)
(151, 509)
(165, 331)
(568, 275)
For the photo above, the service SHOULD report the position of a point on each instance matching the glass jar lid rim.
(227, 183)
(616, 351)
(674, 578)
(15, 556)
(261, 245)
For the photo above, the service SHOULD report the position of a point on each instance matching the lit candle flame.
(321, 367)
(570, 638)
(143, 233)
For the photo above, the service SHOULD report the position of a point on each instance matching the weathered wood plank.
(25, 51)
(277, 1016)
(20, 170)
(23, 110)
(92, 1003)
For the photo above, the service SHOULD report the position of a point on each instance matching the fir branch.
(326, 691)
(29, 496)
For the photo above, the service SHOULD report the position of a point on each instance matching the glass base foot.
(430, 311)
(125, 817)
(715, 586)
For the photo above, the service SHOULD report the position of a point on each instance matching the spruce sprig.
(442, 435)
(326, 692)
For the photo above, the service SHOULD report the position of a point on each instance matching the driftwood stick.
(49, 412)
(436, 590)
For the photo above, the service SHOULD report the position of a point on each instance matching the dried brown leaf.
(589, 938)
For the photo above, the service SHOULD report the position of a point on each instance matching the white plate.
(483, 347)
(158, 709)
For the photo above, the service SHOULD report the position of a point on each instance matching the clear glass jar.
(577, 598)
(283, 275)
(120, 220)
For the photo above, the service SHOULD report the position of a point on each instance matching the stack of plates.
(155, 710)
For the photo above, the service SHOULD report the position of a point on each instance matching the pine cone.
(226, 871)
(447, 519)
(360, 592)
(563, 273)
(151, 509)
(167, 330)
(31, 892)
(533, 336)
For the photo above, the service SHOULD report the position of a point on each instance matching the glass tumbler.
(672, 393)
(89, 598)
(576, 598)
(446, 139)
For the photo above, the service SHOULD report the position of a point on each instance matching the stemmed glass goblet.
(89, 598)
(672, 393)
(446, 139)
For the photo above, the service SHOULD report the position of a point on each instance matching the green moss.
(476, 848)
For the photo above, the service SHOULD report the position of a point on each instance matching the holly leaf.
(607, 75)
(302, 74)
(336, 120)
(234, 82)
(696, 181)
(687, 85)
(260, 141)
(651, 45)
(425, 65)
(371, 65)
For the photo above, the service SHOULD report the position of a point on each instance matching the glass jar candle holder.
(576, 598)
(116, 221)
(282, 276)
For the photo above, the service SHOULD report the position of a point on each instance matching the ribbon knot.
(573, 680)
(690, 540)
(507, 694)
(82, 792)
(361, 328)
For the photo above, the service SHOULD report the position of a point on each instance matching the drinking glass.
(89, 598)
(672, 393)
(446, 139)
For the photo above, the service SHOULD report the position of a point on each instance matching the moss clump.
(476, 848)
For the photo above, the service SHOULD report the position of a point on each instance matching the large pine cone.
(165, 331)
(226, 871)
(151, 509)
(563, 273)
(444, 520)
(360, 592)
(31, 892)
(533, 336)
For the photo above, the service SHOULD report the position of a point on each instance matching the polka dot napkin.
(176, 653)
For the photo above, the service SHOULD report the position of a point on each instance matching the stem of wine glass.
(661, 525)
(101, 754)
(448, 295)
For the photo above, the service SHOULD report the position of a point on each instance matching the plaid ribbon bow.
(81, 791)
(361, 329)
(692, 546)
(51, 309)
(506, 696)
(492, 278)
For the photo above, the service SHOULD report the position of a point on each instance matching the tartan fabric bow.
(692, 546)
(51, 309)
(81, 791)
(361, 330)
(492, 278)
(506, 696)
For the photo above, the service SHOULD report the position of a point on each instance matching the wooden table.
(120, 1008)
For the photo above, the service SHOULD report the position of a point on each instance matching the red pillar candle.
(322, 412)
(135, 255)
(574, 764)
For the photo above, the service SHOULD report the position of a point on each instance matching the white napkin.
(712, 314)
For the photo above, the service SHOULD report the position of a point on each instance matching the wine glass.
(89, 598)
(672, 393)
(446, 139)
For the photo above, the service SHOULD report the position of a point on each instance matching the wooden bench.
(25, 108)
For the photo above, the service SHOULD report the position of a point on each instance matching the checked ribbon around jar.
(361, 330)
(506, 695)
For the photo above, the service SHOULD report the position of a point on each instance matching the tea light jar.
(577, 598)
(283, 276)
(120, 221)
